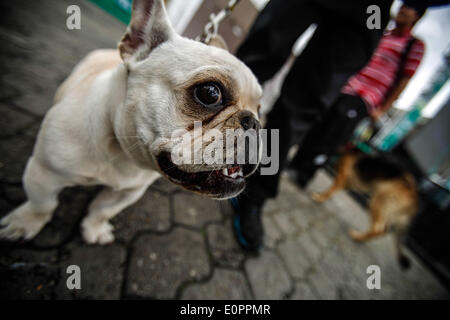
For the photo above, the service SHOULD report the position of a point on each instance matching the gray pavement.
(170, 244)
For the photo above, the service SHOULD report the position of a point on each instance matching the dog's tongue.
(233, 170)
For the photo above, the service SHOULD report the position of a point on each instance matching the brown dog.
(394, 197)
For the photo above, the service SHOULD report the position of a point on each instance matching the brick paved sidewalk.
(171, 244)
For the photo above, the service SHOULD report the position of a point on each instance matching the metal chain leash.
(212, 27)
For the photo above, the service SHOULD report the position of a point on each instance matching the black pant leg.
(297, 108)
(334, 130)
(273, 34)
(261, 187)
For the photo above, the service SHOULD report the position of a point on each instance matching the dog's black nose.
(248, 121)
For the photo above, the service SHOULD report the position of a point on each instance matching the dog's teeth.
(226, 172)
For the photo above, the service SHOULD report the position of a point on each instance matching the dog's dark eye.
(209, 95)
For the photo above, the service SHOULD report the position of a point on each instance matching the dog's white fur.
(112, 116)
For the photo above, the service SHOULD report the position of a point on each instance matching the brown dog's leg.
(378, 226)
(341, 179)
(376, 230)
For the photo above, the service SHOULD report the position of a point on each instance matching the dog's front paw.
(20, 225)
(317, 197)
(356, 236)
(97, 232)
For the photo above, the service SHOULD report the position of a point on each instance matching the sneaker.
(247, 224)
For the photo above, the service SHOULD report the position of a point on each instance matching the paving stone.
(72, 207)
(345, 266)
(355, 256)
(393, 285)
(289, 197)
(303, 291)
(326, 285)
(414, 283)
(320, 212)
(223, 246)
(359, 291)
(272, 234)
(151, 212)
(13, 122)
(302, 217)
(224, 285)
(12, 193)
(101, 269)
(14, 153)
(321, 181)
(270, 207)
(5, 207)
(301, 197)
(323, 232)
(421, 283)
(383, 250)
(341, 205)
(29, 281)
(268, 277)
(296, 261)
(161, 263)
(12, 254)
(226, 209)
(334, 261)
(43, 26)
(307, 247)
(65, 223)
(284, 223)
(164, 185)
(194, 210)
(344, 278)
(27, 273)
(345, 209)
(7, 92)
(286, 200)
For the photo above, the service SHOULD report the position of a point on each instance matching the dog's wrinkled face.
(180, 88)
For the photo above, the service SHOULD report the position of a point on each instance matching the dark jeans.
(342, 44)
(334, 130)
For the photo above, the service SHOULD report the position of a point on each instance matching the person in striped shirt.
(369, 93)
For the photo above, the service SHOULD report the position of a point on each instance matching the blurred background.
(172, 244)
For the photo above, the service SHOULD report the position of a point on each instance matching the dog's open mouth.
(220, 184)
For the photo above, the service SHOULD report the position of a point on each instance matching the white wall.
(434, 30)
(181, 13)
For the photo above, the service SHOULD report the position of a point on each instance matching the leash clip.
(212, 27)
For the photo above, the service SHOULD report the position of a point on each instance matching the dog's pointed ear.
(219, 42)
(148, 28)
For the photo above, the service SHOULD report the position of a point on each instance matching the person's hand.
(376, 114)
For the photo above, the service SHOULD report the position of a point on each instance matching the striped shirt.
(374, 81)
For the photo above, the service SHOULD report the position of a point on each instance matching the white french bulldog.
(112, 121)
